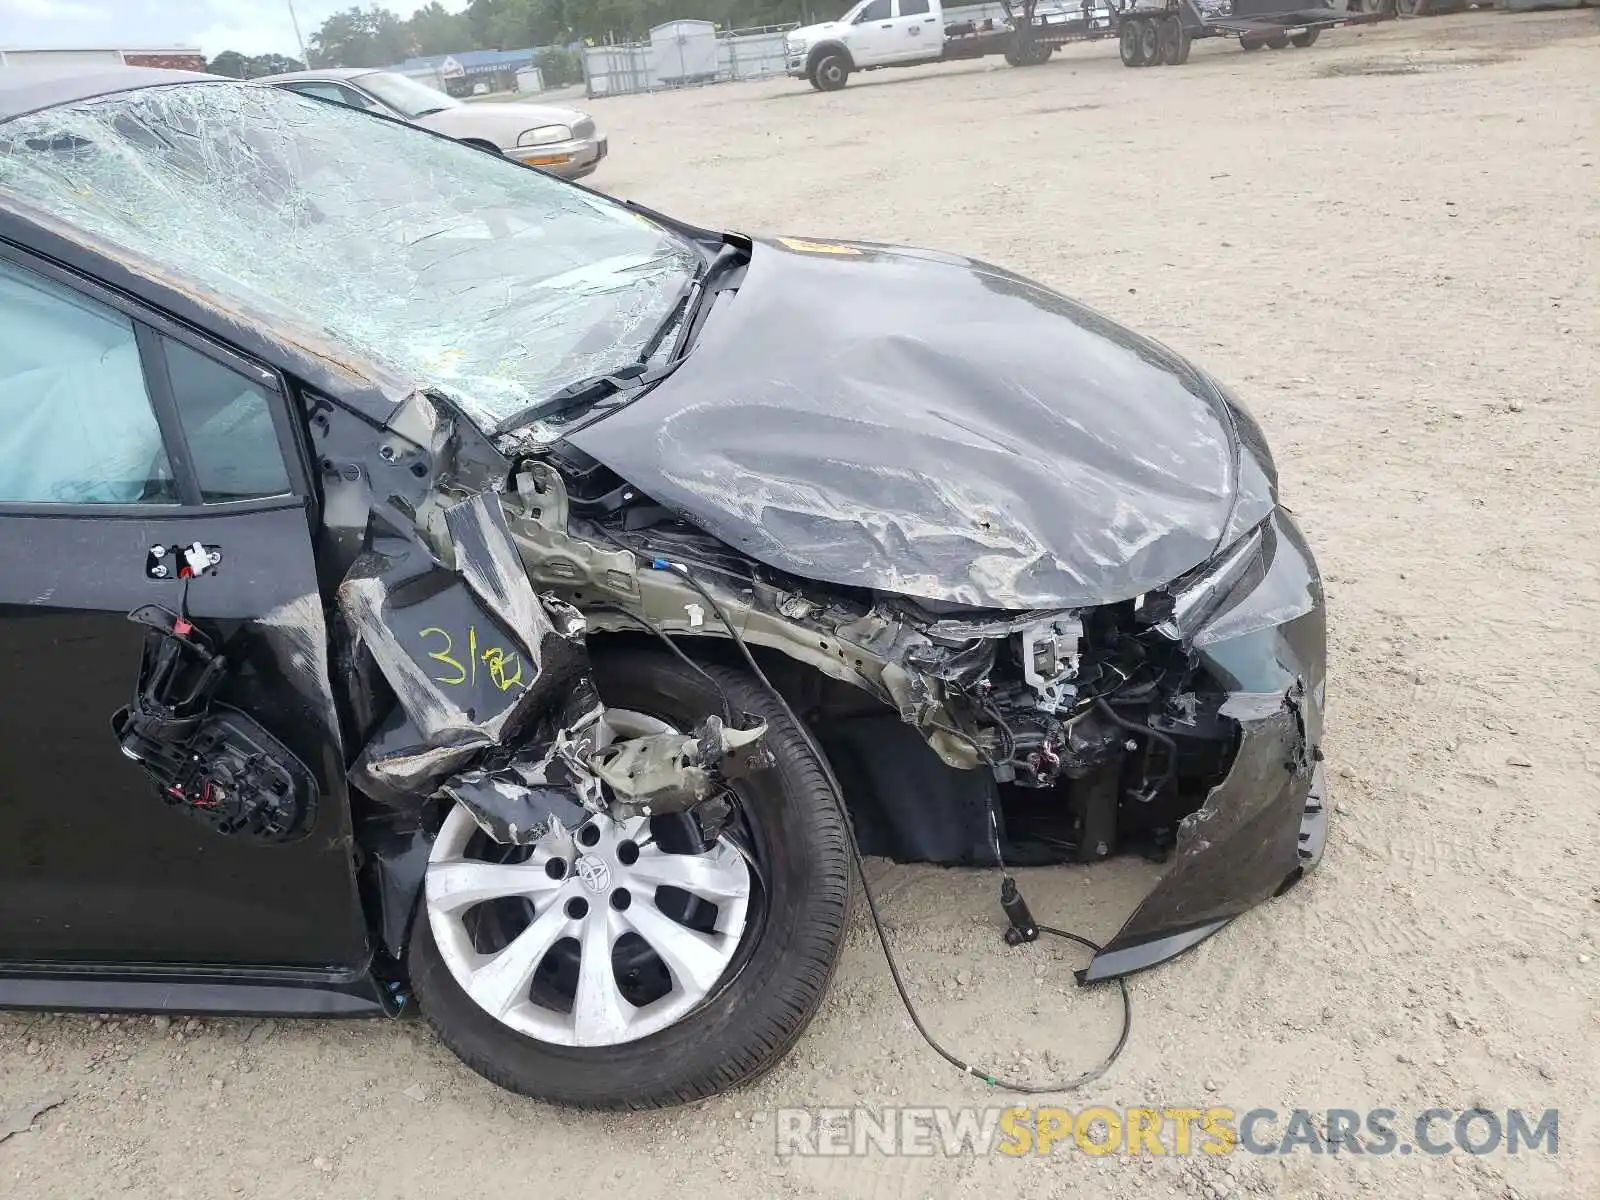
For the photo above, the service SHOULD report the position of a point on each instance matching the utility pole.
(295, 21)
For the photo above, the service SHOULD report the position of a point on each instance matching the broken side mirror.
(212, 761)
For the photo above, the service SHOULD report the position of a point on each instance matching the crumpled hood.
(931, 426)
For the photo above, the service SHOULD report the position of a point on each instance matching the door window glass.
(878, 10)
(227, 421)
(76, 426)
(913, 8)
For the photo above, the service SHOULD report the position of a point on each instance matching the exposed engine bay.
(1092, 723)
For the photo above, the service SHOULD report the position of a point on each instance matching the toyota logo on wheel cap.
(594, 873)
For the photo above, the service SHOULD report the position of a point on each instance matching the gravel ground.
(1388, 244)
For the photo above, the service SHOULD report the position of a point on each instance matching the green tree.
(361, 37)
(230, 63)
(432, 30)
(558, 67)
(271, 64)
(514, 24)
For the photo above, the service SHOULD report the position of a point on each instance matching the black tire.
(811, 78)
(1413, 8)
(777, 981)
(1026, 54)
(1247, 44)
(1130, 45)
(831, 72)
(1277, 43)
(1175, 42)
(1149, 41)
(1309, 37)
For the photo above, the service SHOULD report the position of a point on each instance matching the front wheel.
(621, 965)
(831, 73)
(1302, 40)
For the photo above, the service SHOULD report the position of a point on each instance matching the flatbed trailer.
(1153, 32)
(903, 33)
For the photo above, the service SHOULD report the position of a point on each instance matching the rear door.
(917, 31)
(123, 435)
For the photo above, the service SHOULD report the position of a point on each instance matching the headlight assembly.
(544, 135)
(1266, 578)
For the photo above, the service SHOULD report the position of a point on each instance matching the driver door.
(872, 39)
(122, 434)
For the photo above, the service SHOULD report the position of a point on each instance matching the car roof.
(326, 73)
(28, 89)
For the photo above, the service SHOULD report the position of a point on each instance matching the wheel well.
(819, 52)
(877, 757)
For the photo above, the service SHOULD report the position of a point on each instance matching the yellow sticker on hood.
(804, 247)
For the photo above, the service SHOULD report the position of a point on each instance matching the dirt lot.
(1390, 244)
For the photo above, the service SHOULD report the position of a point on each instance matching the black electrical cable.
(1008, 885)
(1154, 735)
(651, 627)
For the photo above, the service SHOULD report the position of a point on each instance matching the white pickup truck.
(903, 33)
(873, 34)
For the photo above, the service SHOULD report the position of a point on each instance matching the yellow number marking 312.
(505, 669)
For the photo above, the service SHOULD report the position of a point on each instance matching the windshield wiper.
(630, 377)
(698, 292)
(428, 112)
(638, 375)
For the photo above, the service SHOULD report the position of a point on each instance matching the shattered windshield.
(455, 269)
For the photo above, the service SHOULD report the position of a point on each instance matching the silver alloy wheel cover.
(499, 983)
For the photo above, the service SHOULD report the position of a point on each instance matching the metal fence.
(684, 54)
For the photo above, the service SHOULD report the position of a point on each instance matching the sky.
(248, 26)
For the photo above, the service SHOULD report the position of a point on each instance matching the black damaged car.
(426, 581)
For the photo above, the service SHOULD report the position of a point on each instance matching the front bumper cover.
(1266, 823)
(570, 160)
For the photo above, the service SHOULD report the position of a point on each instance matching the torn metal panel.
(937, 428)
(470, 652)
(545, 781)
(523, 801)
(375, 259)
